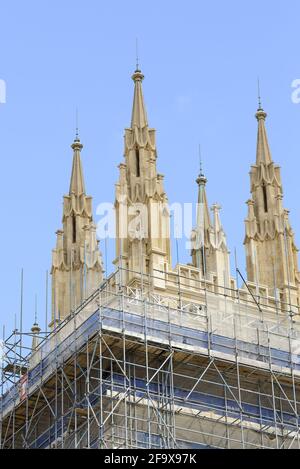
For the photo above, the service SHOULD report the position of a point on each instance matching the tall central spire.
(143, 231)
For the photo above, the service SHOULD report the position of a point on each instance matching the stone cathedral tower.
(271, 253)
(76, 260)
(142, 216)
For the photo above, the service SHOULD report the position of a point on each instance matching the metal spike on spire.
(258, 93)
(139, 114)
(35, 328)
(260, 114)
(200, 161)
(77, 139)
(201, 178)
(137, 54)
(35, 310)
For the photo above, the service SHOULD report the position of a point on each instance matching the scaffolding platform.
(130, 369)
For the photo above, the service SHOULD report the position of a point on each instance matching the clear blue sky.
(201, 61)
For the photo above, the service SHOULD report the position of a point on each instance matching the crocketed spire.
(76, 260)
(269, 241)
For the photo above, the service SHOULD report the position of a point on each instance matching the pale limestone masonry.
(76, 261)
(271, 252)
(142, 216)
(143, 231)
(209, 247)
(158, 356)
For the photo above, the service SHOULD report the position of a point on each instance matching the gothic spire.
(267, 235)
(141, 183)
(209, 247)
(201, 232)
(203, 218)
(263, 154)
(76, 260)
(77, 185)
(139, 115)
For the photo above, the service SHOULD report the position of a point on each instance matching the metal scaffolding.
(131, 368)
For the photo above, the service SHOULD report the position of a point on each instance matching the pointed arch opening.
(73, 229)
(264, 189)
(137, 163)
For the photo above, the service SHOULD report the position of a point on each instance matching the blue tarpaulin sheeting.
(167, 332)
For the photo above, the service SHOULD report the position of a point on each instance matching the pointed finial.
(77, 145)
(35, 328)
(137, 76)
(260, 114)
(215, 208)
(201, 178)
